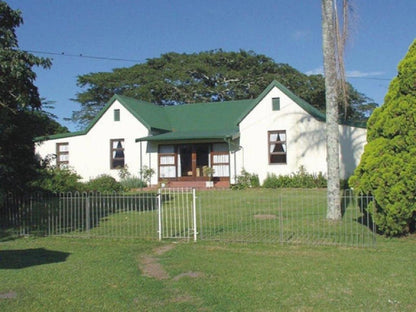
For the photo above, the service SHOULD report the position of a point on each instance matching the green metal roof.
(207, 116)
(211, 120)
(149, 114)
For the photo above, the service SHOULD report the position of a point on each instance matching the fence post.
(280, 217)
(194, 213)
(159, 208)
(87, 213)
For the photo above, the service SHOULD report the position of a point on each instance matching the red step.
(197, 184)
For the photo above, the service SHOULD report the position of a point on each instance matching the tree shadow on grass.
(23, 258)
(43, 214)
(7, 234)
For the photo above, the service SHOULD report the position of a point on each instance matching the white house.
(275, 133)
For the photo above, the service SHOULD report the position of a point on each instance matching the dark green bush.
(104, 184)
(387, 169)
(300, 179)
(246, 180)
(58, 180)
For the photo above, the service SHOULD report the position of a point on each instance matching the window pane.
(220, 170)
(116, 115)
(118, 163)
(63, 157)
(118, 144)
(220, 147)
(277, 148)
(276, 104)
(63, 147)
(278, 159)
(166, 149)
(220, 158)
(167, 160)
(167, 172)
(119, 153)
(273, 137)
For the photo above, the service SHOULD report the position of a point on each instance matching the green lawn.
(75, 274)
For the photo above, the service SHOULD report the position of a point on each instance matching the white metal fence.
(254, 215)
(285, 216)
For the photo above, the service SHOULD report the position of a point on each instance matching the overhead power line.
(107, 58)
(85, 56)
(370, 78)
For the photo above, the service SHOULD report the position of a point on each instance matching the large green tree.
(21, 117)
(387, 169)
(203, 77)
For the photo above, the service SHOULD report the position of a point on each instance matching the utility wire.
(85, 56)
(141, 61)
(370, 78)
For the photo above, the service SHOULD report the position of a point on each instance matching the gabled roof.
(216, 120)
(213, 120)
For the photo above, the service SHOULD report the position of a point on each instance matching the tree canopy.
(217, 75)
(21, 117)
(387, 168)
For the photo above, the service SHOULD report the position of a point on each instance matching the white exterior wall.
(305, 140)
(89, 154)
(352, 141)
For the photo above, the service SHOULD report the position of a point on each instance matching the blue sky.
(289, 31)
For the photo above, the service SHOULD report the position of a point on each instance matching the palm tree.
(335, 89)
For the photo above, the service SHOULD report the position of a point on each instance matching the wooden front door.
(193, 157)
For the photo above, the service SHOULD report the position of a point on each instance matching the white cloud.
(349, 73)
(316, 71)
(301, 34)
(359, 74)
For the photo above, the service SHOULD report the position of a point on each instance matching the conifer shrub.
(387, 169)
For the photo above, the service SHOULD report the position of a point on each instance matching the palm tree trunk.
(332, 132)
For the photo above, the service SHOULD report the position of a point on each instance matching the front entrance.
(193, 158)
(186, 161)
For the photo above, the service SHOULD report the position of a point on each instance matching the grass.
(75, 274)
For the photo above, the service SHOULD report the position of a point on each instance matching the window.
(167, 161)
(116, 115)
(276, 104)
(62, 155)
(277, 147)
(117, 153)
(220, 160)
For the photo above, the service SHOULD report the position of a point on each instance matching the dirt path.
(150, 266)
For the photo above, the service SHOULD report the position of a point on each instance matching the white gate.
(177, 214)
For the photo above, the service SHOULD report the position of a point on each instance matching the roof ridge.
(167, 117)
